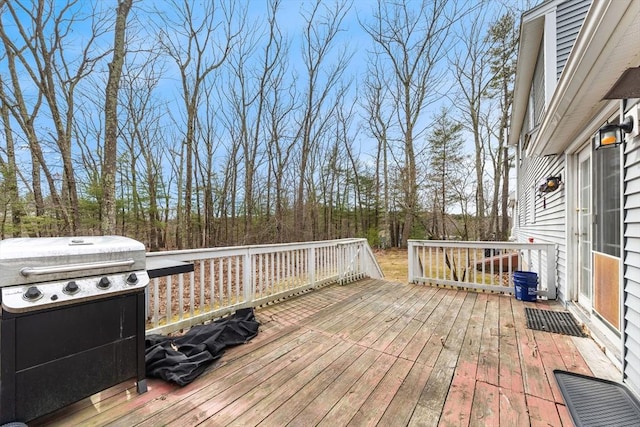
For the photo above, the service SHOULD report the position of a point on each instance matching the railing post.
(357, 253)
(362, 255)
(340, 251)
(410, 256)
(247, 277)
(364, 259)
(551, 272)
(311, 265)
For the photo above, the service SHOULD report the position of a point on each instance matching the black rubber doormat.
(597, 402)
(559, 322)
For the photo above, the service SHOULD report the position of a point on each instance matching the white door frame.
(583, 232)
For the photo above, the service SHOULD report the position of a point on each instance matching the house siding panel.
(542, 216)
(631, 266)
(569, 17)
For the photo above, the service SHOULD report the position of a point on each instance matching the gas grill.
(72, 321)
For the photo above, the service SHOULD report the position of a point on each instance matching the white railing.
(227, 279)
(487, 266)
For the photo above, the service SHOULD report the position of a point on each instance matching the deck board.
(319, 407)
(364, 354)
(298, 402)
(422, 337)
(509, 370)
(459, 403)
(432, 398)
(534, 376)
(488, 364)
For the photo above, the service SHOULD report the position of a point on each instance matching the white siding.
(631, 259)
(549, 223)
(569, 17)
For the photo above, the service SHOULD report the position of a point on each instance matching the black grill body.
(52, 358)
(54, 355)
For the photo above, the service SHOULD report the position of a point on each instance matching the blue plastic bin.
(526, 285)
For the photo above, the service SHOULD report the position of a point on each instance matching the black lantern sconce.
(550, 184)
(611, 134)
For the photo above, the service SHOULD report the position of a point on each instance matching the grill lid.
(33, 260)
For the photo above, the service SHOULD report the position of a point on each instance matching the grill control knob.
(132, 279)
(71, 288)
(104, 283)
(32, 294)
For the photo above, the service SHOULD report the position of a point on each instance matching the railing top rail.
(481, 244)
(241, 250)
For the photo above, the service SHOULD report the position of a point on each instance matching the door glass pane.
(606, 186)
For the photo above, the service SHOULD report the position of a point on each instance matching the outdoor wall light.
(611, 134)
(551, 183)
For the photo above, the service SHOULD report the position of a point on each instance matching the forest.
(216, 123)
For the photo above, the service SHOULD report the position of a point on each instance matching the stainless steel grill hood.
(33, 260)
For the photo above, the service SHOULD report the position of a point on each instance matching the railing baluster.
(180, 296)
(201, 265)
(438, 266)
(229, 287)
(491, 268)
(278, 270)
(289, 269)
(239, 287)
(156, 302)
(168, 301)
(295, 274)
(192, 292)
(212, 285)
(220, 282)
(300, 267)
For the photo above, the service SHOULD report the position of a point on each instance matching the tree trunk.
(504, 231)
(9, 170)
(109, 166)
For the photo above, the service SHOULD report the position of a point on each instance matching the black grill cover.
(182, 359)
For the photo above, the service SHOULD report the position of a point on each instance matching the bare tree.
(484, 65)
(9, 173)
(379, 114)
(111, 119)
(36, 52)
(199, 42)
(323, 73)
(471, 67)
(279, 109)
(410, 43)
(212, 198)
(144, 138)
(344, 134)
(463, 195)
(503, 36)
(254, 66)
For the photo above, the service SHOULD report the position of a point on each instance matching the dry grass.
(395, 267)
(394, 263)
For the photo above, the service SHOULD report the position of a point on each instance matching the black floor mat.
(597, 402)
(560, 322)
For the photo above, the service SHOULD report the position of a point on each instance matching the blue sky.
(291, 21)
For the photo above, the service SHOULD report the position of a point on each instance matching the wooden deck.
(369, 353)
